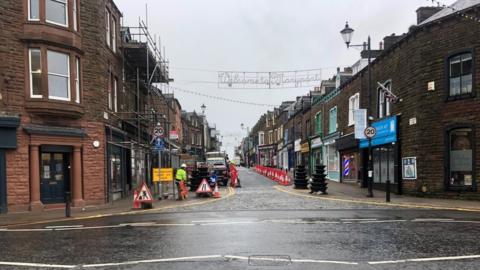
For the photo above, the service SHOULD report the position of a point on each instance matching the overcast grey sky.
(204, 36)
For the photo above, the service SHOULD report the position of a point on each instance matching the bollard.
(388, 191)
(67, 203)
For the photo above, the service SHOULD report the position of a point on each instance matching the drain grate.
(269, 260)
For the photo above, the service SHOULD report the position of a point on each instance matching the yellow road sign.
(162, 175)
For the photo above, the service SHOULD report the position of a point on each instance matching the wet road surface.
(257, 228)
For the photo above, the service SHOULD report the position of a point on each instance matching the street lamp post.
(248, 145)
(347, 34)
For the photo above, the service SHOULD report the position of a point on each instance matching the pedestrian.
(180, 179)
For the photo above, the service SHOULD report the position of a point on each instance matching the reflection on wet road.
(258, 228)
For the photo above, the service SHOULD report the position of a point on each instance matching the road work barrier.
(278, 175)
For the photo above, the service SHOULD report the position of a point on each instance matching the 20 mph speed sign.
(158, 132)
(370, 132)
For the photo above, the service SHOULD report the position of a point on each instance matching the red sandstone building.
(73, 88)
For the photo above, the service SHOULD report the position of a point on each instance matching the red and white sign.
(204, 187)
(144, 195)
(173, 135)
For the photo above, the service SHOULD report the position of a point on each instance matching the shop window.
(332, 162)
(58, 75)
(349, 167)
(56, 12)
(33, 10)
(461, 174)
(353, 104)
(35, 73)
(383, 164)
(460, 74)
(332, 123)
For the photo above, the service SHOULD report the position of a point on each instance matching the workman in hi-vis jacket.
(181, 176)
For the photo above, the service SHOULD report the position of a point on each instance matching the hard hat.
(183, 165)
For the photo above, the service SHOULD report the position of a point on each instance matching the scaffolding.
(144, 70)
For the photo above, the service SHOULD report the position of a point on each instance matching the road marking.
(229, 223)
(209, 220)
(64, 227)
(403, 205)
(431, 219)
(153, 261)
(38, 265)
(384, 221)
(450, 258)
(358, 219)
(138, 224)
(324, 261)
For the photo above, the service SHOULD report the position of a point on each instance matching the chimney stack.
(424, 13)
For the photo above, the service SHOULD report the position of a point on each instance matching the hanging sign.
(173, 135)
(269, 80)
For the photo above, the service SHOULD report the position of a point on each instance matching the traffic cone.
(136, 203)
(216, 193)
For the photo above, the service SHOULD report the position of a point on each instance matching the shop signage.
(297, 147)
(360, 118)
(304, 148)
(317, 142)
(173, 135)
(386, 132)
(409, 168)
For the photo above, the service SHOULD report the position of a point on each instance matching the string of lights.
(220, 98)
(459, 12)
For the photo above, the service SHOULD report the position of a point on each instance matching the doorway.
(54, 177)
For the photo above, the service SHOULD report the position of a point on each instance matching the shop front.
(267, 155)
(350, 159)
(316, 157)
(331, 157)
(8, 142)
(305, 156)
(118, 165)
(297, 152)
(55, 165)
(385, 154)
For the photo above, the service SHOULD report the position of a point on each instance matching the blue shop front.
(385, 154)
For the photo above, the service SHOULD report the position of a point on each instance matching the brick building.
(75, 103)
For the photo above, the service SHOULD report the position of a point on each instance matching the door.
(3, 183)
(54, 177)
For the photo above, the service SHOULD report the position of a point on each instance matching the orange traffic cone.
(216, 193)
(136, 203)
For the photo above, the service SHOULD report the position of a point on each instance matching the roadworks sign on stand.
(143, 197)
(204, 187)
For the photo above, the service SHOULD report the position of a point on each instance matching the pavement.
(259, 226)
(352, 193)
(118, 207)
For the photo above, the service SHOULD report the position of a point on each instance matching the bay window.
(77, 80)
(56, 12)
(35, 73)
(58, 75)
(53, 77)
(33, 10)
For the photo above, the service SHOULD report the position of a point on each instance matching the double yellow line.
(404, 205)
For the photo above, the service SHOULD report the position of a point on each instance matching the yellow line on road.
(231, 192)
(405, 205)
